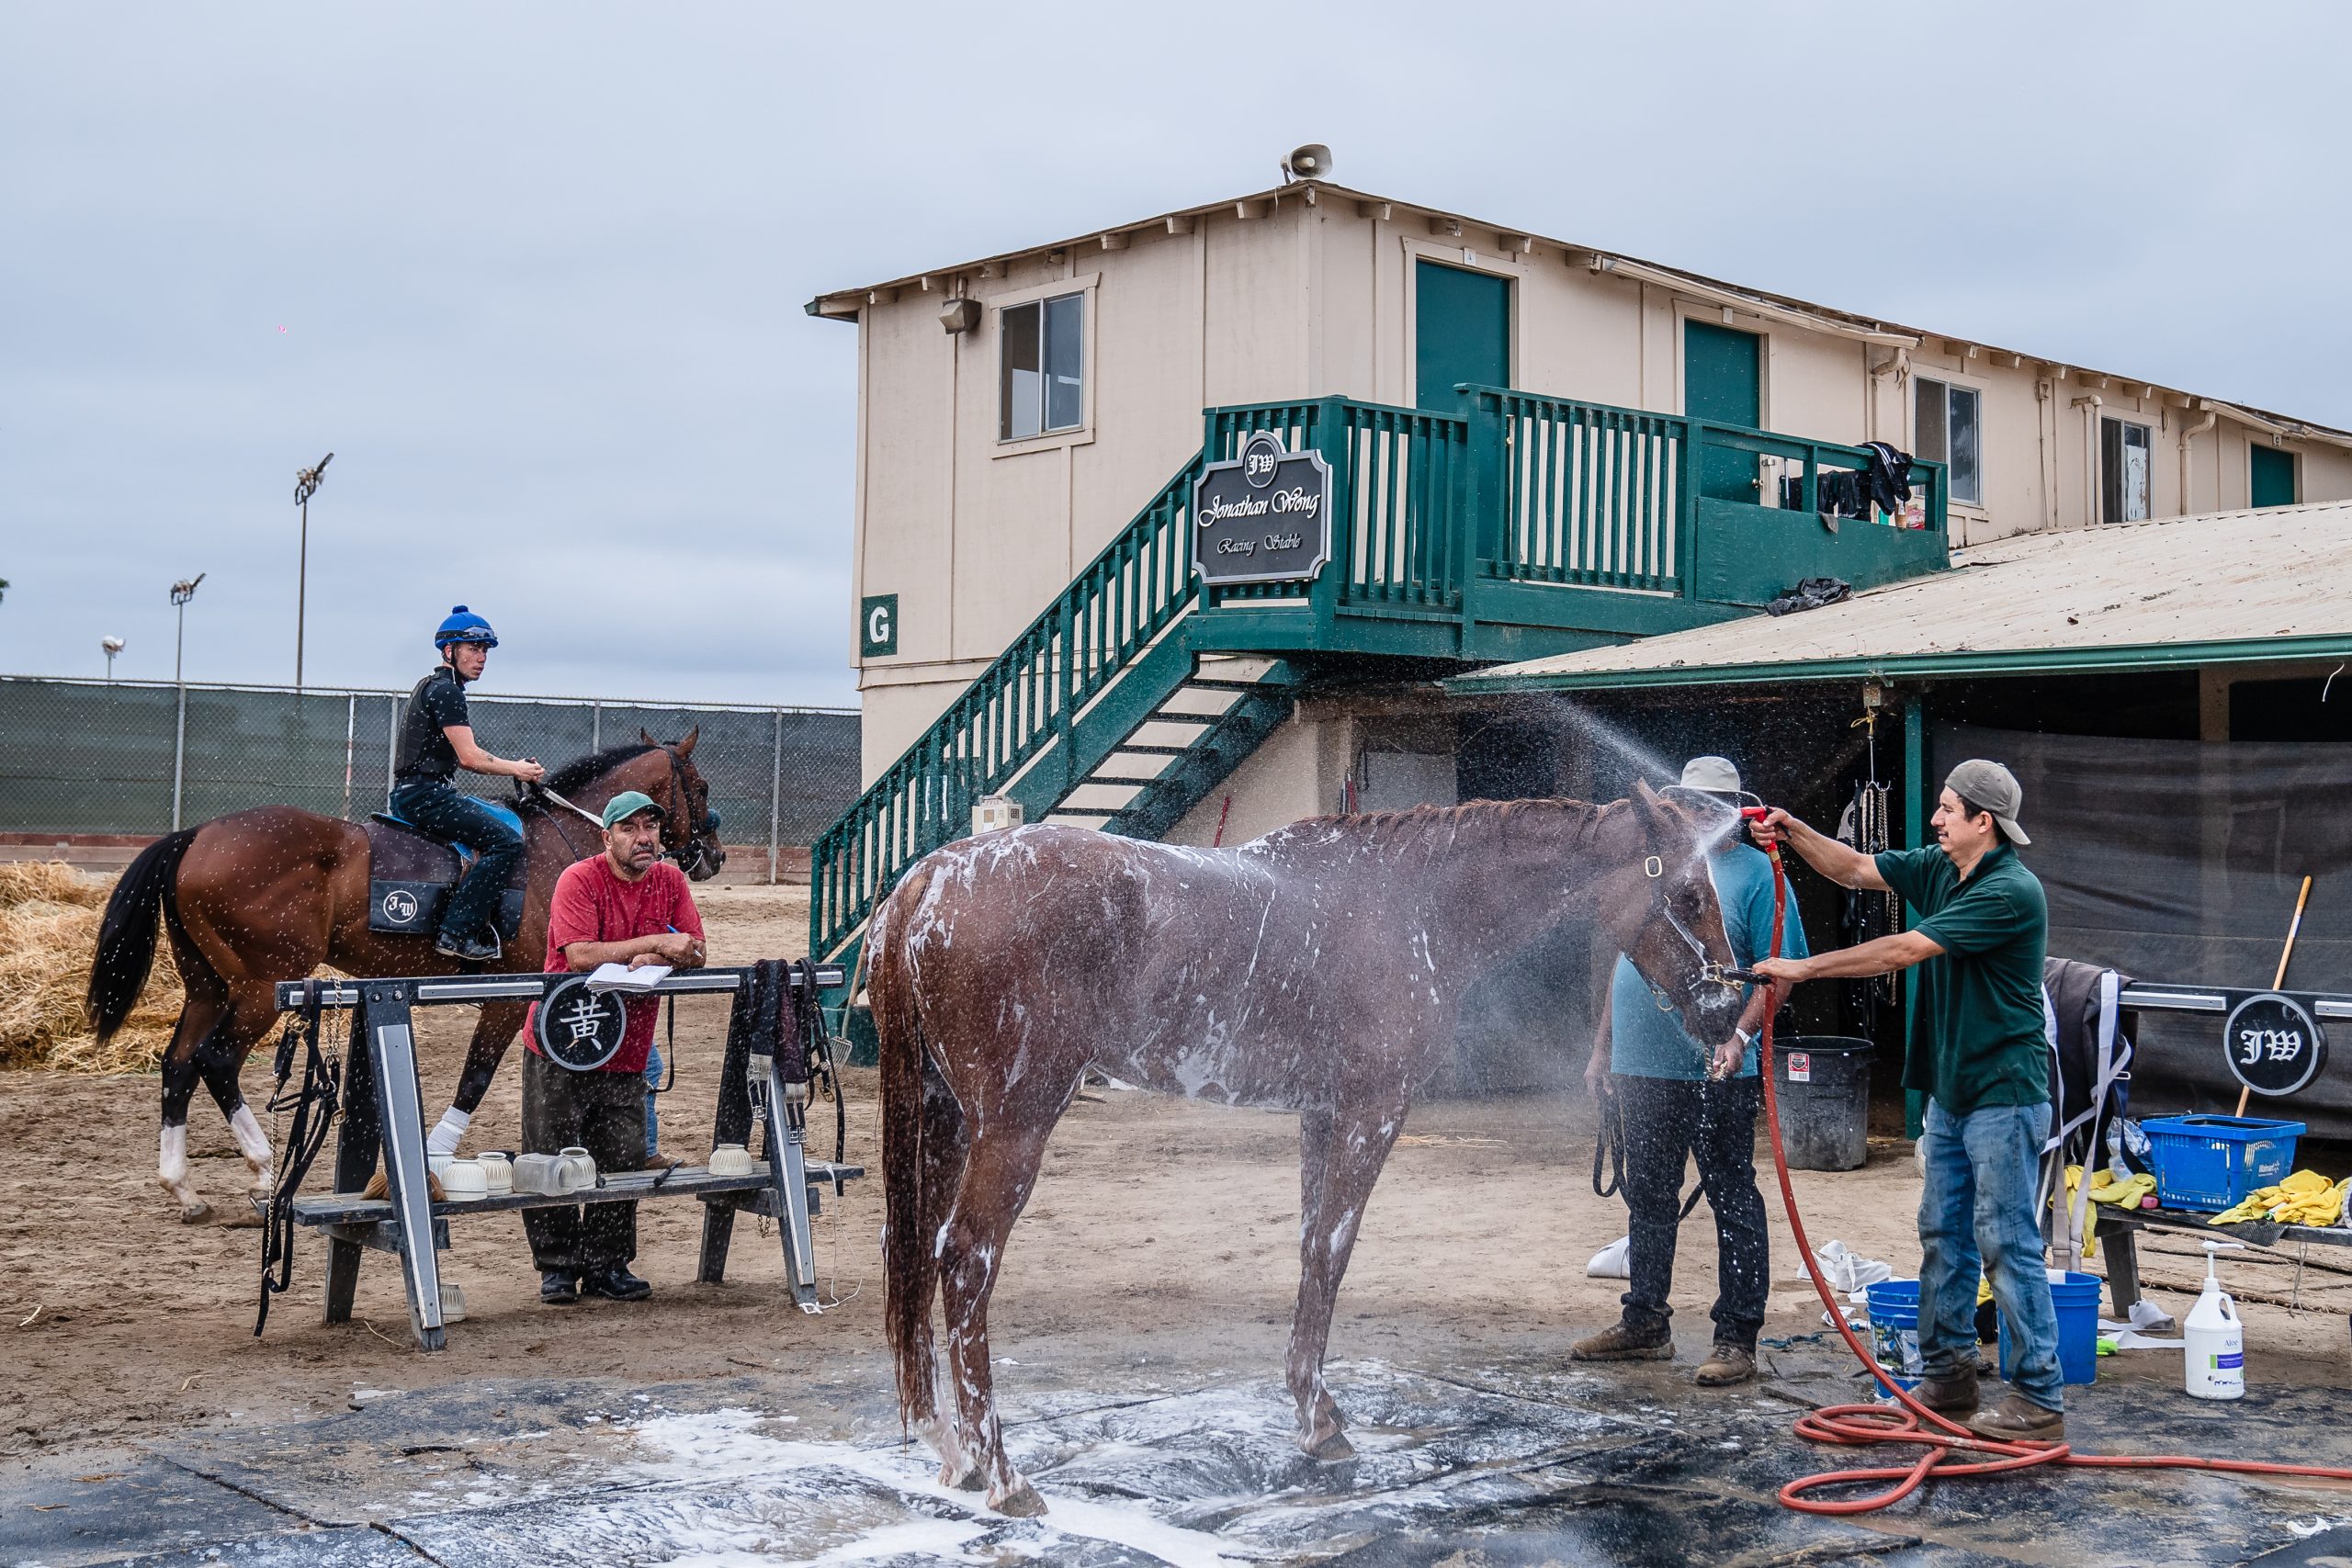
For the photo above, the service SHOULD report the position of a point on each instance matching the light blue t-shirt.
(1648, 1042)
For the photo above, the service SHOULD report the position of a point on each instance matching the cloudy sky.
(534, 272)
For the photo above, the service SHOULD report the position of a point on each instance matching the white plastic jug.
(2214, 1337)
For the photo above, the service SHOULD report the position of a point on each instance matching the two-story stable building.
(1533, 447)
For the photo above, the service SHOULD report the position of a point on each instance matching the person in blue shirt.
(1680, 1097)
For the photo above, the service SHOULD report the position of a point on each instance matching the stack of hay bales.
(49, 929)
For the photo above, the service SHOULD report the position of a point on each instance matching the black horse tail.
(909, 1256)
(126, 935)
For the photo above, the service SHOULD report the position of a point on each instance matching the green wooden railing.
(1468, 536)
(1025, 701)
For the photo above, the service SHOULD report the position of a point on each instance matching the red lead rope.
(1947, 1442)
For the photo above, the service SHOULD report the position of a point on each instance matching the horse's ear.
(641, 734)
(686, 747)
(1656, 814)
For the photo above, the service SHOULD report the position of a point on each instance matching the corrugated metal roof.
(842, 303)
(2213, 587)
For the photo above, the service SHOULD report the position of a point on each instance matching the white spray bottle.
(2214, 1337)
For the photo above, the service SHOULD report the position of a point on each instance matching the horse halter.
(1710, 972)
(689, 852)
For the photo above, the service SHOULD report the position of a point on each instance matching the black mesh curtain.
(2177, 861)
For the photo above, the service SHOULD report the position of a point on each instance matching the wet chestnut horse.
(1318, 969)
(268, 895)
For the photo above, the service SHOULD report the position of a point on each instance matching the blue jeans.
(1977, 1218)
(442, 811)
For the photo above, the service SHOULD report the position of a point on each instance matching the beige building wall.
(1277, 299)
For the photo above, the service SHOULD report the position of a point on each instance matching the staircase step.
(1129, 747)
(1198, 685)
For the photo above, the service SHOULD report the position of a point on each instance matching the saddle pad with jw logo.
(409, 879)
(578, 1028)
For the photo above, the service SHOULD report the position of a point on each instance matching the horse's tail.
(909, 1258)
(126, 933)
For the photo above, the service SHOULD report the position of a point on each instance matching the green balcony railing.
(1468, 535)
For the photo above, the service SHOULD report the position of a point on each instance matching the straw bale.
(49, 929)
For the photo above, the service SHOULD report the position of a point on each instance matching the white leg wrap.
(171, 1163)
(448, 1131)
(254, 1142)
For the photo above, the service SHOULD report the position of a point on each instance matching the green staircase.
(1522, 525)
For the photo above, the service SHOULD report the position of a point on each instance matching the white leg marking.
(255, 1145)
(171, 1169)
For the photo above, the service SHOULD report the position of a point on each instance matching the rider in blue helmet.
(437, 740)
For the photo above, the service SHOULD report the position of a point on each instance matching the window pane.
(2124, 473)
(1962, 442)
(2139, 498)
(1928, 399)
(1065, 343)
(1021, 388)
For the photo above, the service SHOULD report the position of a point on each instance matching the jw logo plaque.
(1264, 516)
(2273, 1045)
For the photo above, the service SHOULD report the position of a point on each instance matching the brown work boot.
(1621, 1342)
(1725, 1365)
(2017, 1419)
(1953, 1394)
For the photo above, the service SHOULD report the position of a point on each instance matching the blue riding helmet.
(464, 625)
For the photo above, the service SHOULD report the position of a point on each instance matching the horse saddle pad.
(411, 876)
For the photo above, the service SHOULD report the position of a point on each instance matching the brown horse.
(268, 895)
(1318, 969)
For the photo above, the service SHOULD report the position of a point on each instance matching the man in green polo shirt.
(1978, 1053)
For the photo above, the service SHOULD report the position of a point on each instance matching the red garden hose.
(1952, 1450)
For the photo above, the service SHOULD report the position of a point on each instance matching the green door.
(2270, 476)
(1723, 380)
(1461, 332)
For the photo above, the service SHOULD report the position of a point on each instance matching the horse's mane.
(1419, 824)
(580, 771)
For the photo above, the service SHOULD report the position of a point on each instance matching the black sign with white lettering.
(2273, 1045)
(1263, 517)
(578, 1028)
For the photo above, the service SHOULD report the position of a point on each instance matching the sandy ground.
(1164, 1233)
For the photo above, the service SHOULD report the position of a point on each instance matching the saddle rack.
(383, 1119)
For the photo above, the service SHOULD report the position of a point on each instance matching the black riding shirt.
(438, 702)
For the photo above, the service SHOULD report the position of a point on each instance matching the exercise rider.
(437, 740)
(626, 906)
(1680, 1098)
(1978, 1053)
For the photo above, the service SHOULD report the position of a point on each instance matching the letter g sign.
(878, 625)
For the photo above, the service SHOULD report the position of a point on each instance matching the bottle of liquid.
(2214, 1337)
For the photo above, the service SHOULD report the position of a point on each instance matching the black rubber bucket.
(1822, 1082)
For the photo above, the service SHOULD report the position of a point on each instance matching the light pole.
(182, 592)
(110, 646)
(306, 484)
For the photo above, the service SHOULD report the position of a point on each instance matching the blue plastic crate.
(2213, 1163)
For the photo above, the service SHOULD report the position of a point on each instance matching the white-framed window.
(1948, 428)
(1041, 380)
(2126, 471)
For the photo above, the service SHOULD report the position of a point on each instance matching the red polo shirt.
(592, 904)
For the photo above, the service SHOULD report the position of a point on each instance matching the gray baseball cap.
(1996, 789)
(1714, 775)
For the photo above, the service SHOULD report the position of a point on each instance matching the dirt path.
(1163, 1231)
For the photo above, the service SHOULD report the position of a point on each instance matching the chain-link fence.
(127, 757)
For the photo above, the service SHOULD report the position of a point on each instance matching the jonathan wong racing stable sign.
(1265, 516)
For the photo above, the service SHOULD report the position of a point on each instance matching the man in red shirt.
(626, 906)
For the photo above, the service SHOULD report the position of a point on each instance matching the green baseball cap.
(629, 803)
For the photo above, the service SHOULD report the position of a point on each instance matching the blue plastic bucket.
(2076, 1298)
(1895, 1330)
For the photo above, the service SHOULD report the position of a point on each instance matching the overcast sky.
(535, 273)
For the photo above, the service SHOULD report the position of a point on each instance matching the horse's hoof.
(196, 1213)
(1020, 1500)
(961, 1478)
(1330, 1447)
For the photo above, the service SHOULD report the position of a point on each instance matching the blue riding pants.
(1977, 1219)
(439, 810)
